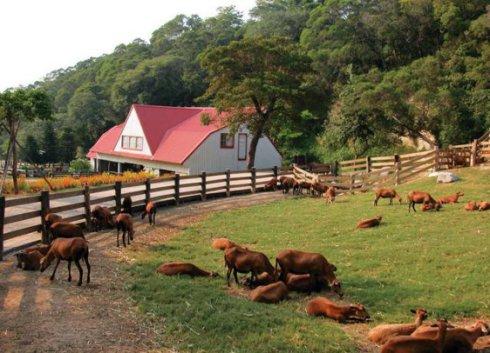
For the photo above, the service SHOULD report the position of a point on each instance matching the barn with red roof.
(163, 139)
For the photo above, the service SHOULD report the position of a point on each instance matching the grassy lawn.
(436, 260)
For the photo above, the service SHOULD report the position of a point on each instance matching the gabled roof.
(172, 133)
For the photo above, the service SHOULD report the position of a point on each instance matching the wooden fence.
(75, 206)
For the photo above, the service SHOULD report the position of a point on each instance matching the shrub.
(80, 165)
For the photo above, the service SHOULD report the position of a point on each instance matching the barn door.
(242, 147)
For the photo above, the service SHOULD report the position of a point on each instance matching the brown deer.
(321, 306)
(151, 211)
(386, 193)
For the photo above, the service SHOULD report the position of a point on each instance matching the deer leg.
(80, 271)
(118, 236)
(85, 258)
(124, 237)
(236, 276)
(55, 268)
(228, 276)
(69, 270)
(391, 200)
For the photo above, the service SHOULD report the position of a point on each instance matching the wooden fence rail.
(75, 206)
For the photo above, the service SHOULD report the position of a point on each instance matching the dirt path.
(39, 316)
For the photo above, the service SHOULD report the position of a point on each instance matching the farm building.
(164, 139)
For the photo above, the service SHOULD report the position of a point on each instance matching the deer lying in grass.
(271, 293)
(382, 333)
(321, 306)
(183, 268)
(369, 223)
(451, 198)
(409, 344)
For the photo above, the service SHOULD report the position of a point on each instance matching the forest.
(335, 78)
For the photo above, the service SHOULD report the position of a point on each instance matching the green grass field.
(436, 260)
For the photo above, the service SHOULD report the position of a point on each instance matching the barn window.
(227, 140)
(132, 143)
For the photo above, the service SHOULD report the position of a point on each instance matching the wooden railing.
(21, 216)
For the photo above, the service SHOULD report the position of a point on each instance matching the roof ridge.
(168, 106)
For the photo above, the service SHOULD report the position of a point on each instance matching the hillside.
(383, 69)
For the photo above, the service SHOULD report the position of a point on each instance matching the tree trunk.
(14, 165)
(255, 141)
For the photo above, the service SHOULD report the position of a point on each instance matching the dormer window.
(132, 143)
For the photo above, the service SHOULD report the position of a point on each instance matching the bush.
(80, 165)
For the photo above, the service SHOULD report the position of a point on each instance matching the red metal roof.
(172, 133)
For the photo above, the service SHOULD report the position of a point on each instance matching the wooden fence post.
(147, 190)
(44, 212)
(436, 158)
(117, 188)
(274, 170)
(474, 153)
(398, 167)
(368, 164)
(227, 173)
(177, 188)
(203, 186)
(253, 177)
(2, 217)
(335, 171)
(351, 186)
(86, 205)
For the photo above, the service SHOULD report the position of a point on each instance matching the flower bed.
(67, 182)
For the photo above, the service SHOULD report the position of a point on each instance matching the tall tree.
(30, 153)
(256, 81)
(49, 143)
(18, 106)
(67, 145)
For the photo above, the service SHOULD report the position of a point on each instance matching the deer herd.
(294, 270)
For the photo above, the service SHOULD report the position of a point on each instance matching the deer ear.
(413, 311)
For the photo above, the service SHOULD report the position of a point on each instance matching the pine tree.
(67, 148)
(49, 144)
(30, 153)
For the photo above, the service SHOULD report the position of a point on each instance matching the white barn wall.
(133, 128)
(210, 157)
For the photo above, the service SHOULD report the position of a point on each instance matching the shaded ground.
(40, 316)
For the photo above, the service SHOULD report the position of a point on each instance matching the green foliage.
(66, 144)
(49, 144)
(79, 165)
(30, 153)
(425, 260)
(424, 65)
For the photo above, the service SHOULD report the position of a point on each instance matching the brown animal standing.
(151, 211)
(300, 262)
(460, 340)
(483, 206)
(409, 344)
(271, 293)
(127, 205)
(271, 185)
(382, 333)
(305, 283)
(240, 260)
(223, 244)
(318, 188)
(287, 183)
(304, 185)
(451, 198)
(102, 218)
(321, 306)
(68, 249)
(49, 220)
(369, 223)
(386, 193)
(330, 194)
(414, 197)
(66, 230)
(471, 206)
(124, 223)
(183, 268)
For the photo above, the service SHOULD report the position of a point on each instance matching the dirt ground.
(37, 315)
